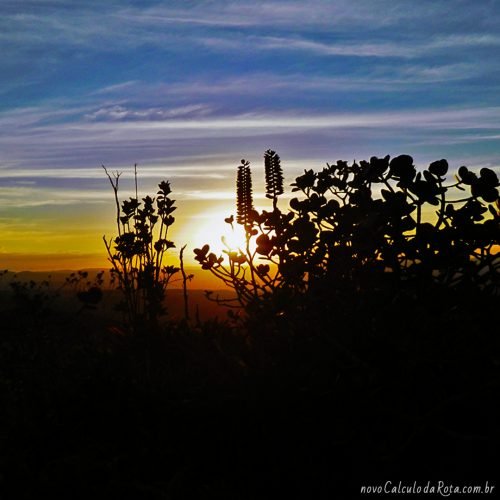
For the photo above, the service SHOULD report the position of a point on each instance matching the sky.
(186, 89)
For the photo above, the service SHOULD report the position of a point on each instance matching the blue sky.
(186, 89)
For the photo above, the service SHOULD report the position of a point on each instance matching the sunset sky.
(186, 89)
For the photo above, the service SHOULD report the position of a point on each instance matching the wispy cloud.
(110, 25)
(317, 14)
(18, 176)
(117, 87)
(24, 196)
(316, 47)
(353, 47)
(160, 139)
(175, 121)
(450, 118)
(121, 113)
(384, 78)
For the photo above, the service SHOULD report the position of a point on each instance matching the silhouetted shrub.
(254, 272)
(138, 253)
(372, 222)
(360, 227)
(35, 301)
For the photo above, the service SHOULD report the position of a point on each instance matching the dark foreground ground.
(312, 408)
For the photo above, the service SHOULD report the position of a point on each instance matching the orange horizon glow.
(69, 238)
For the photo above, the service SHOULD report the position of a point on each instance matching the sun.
(211, 229)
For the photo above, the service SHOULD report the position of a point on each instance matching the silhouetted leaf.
(439, 168)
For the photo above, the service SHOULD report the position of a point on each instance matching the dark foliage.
(244, 200)
(368, 227)
(368, 353)
(139, 252)
(274, 176)
(371, 223)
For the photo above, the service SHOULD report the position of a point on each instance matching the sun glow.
(215, 229)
